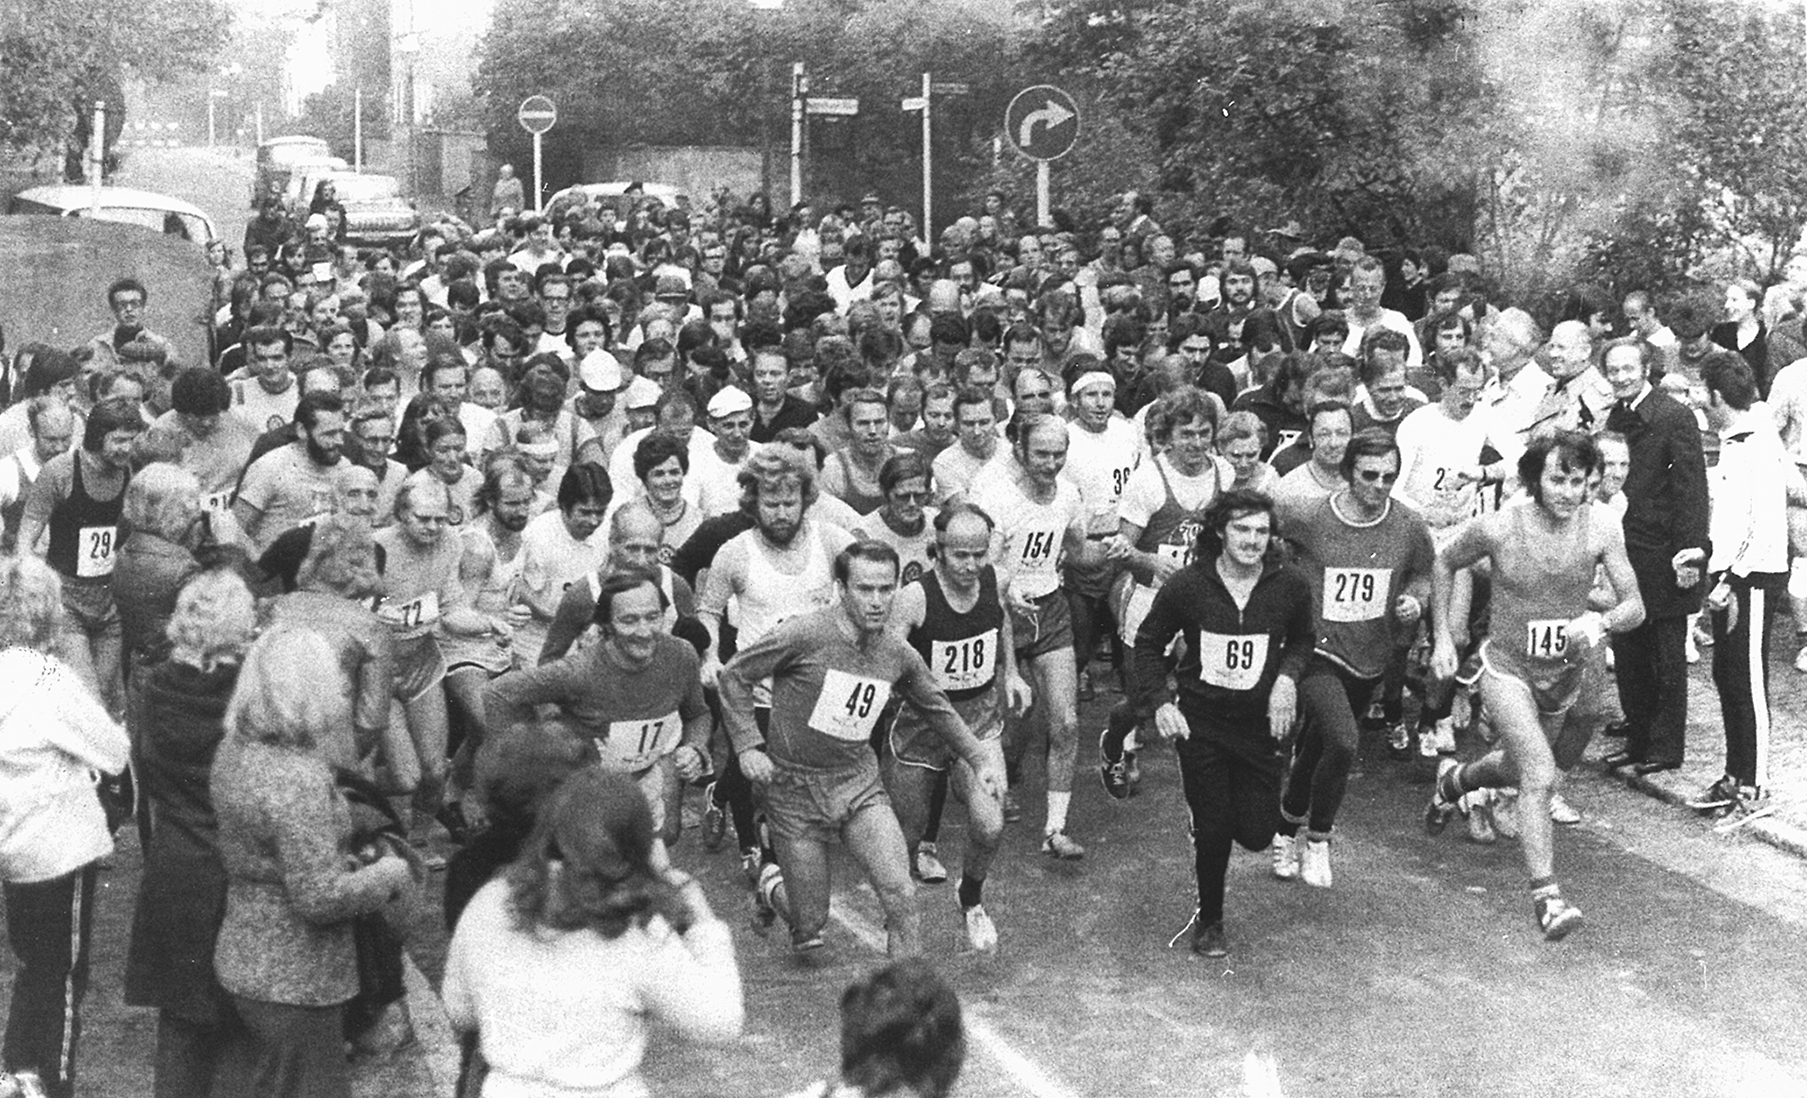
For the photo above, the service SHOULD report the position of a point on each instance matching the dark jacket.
(177, 717)
(1666, 502)
(1274, 413)
(150, 573)
(1194, 599)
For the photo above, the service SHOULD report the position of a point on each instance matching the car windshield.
(169, 222)
(366, 188)
(293, 152)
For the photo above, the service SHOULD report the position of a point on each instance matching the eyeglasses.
(1371, 475)
(913, 497)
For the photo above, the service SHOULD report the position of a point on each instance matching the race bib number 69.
(1232, 661)
(849, 705)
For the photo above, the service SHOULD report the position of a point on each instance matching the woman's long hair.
(587, 865)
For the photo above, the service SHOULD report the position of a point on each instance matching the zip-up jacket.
(1232, 655)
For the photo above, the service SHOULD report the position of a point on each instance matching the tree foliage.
(56, 56)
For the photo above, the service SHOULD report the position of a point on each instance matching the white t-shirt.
(621, 463)
(1389, 318)
(1431, 447)
(1100, 465)
(717, 482)
(262, 409)
(1026, 544)
(286, 489)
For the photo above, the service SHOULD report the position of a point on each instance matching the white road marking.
(1024, 1072)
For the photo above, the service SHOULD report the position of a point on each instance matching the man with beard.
(1224, 322)
(290, 485)
(359, 498)
(831, 673)
(781, 568)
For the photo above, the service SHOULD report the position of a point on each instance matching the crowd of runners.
(544, 544)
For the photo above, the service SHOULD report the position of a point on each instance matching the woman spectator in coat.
(162, 509)
(181, 710)
(558, 965)
(54, 737)
(293, 880)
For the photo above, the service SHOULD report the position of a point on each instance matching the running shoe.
(1286, 857)
(1131, 772)
(1752, 804)
(749, 865)
(1443, 806)
(1469, 672)
(1561, 811)
(1716, 798)
(1114, 775)
(1013, 808)
(1556, 917)
(1399, 740)
(1445, 731)
(715, 820)
(1314, 863)
(802, 945)
(927, 864)
(765, 896)
(1505, 812)
(981, 932)
(1477, 806)
(1427, 742)
(1208, 941)
(1060, 845)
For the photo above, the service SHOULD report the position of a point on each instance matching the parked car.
(127, 205)
(298, 189)
(376, 214)
(614, 197)
(277, 157)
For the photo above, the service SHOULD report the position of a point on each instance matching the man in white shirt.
(52, 433)
(716, 471)
(852, 280)
(1366, 283)
(267, 398)
(298, 482)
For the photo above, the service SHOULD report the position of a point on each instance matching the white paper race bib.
(217, 502)
(1355, 594)
(420, 611)
(1232, 661)
(965, 664)
(94, 551)
(1283, 439)
(849, 705)
(1178, 554)
(636, 745)
(1039, 547)
(1547, 638)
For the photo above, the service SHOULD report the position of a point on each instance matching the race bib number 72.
(849, 705)
(1232, 661)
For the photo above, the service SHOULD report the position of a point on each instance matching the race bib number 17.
(636, 745)
(849, 705)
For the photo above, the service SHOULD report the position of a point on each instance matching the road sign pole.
(538, 185)
(1042, 203)
(928, 175)
(797, 108)
(357, 129)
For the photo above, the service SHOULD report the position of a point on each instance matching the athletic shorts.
(476, 653)
(1554, 689)
(92, 608)
(816, 805)
(915, 743)
(419, 667)
(1048, 627)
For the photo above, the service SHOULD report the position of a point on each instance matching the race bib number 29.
(1232, 661)
(849, 705)
(94, 551)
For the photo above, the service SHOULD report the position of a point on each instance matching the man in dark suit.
(1666, 510)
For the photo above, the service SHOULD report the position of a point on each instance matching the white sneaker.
(1446, 736)
(1505, 812)
(929, 869)
(1314, 864)
(1286, 857)
(1562, 812)
(1477, 806)
(981, 932)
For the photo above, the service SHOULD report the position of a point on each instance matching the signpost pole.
(539, 193)
(1041, 193)
(357, 129)
(928, 176)
(97, 152)
(797, 106)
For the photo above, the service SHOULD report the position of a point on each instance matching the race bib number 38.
(636, 745)
(965, 664)
(1232, 661)
(94, 551)
(1547, 638)
(849, 705)
(1355, 594)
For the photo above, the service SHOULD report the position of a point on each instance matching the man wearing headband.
(1101, 455)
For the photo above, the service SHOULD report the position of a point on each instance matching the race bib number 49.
(1547, 638)
(94, 551)
(965, 664)
(1232, 661)
(1355, 594)
(849, 705)
(636, 745)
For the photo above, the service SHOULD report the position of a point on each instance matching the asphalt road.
(217, 180)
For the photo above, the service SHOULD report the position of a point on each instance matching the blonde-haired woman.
(285, 952)
(179, 715)
(162, 514)
(55, 738)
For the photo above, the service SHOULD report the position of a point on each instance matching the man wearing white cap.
(641, 399)
(599, 423)
(1101, 454)
(716, 471)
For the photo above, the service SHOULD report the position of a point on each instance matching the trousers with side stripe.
(1741, 673)
(49, 924)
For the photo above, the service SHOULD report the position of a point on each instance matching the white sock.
(1132, 741)
(1057, 812)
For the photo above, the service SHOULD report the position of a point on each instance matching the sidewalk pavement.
(1704, 762)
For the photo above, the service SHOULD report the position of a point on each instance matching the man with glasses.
(1369, 564)
(555, 300)
(373, 429)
